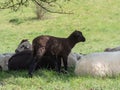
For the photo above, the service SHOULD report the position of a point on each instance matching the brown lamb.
(54, 46)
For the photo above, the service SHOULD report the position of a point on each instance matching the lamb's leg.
(0, 68)
(36, 57)
(59, 64)
(65, 63)
(32, 67)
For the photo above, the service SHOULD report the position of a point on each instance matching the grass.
(97, 19)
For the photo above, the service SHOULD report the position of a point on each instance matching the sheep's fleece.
(72, 59)
(99, 64)
(4, 60)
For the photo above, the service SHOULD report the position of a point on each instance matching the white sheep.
(73, 58)
(99, 64)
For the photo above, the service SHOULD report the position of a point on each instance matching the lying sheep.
(99, 64)
(4, 58)
(73, 58)
(59, 47)
(21, 61)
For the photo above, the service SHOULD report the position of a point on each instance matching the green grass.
(99, 20)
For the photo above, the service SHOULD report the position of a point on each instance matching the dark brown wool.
(22, 61)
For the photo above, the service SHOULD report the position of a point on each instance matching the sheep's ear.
(78, 58)
(24, 40)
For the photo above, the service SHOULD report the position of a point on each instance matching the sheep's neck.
(71, 42)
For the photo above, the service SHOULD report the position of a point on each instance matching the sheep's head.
(24, 45)
(77, 36)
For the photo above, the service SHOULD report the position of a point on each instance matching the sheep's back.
(99, 64)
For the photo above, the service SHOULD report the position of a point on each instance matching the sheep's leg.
(59, 63)
(36, 57)
(0, 68)
(32, 67)
(65, 63)
(56, 63)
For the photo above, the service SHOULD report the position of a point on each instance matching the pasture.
(99, 20)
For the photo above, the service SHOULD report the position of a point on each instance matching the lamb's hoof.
(64, 71)
(30, 75)
(0, 68)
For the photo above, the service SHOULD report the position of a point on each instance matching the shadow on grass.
(7, 74)
(43, 73)
(55, 75)
(17, 21)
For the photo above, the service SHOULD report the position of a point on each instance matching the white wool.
(72, 59)
(4, 61)
(99, 64)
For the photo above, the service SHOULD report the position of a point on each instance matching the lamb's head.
(77, 36)
(24, 45)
